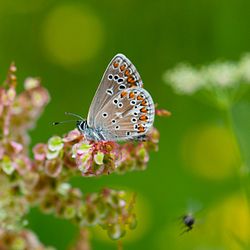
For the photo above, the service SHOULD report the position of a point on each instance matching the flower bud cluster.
(43, 179)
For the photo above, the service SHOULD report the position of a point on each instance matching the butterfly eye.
(105, 114)
(110, 77)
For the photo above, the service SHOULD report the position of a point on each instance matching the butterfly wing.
(128, 115)
(119, 75)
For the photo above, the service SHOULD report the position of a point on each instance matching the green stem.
(243, 170)
(119, 245)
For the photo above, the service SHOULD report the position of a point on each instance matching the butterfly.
(121, 108)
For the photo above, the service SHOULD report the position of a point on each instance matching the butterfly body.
(92, 134)
(121, 109)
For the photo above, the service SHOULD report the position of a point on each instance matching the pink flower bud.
(72, 136)
(39, 152)
(17, 147)
(53, 168)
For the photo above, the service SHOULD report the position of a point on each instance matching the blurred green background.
(69, 44)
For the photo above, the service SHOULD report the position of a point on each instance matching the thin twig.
(119, 245)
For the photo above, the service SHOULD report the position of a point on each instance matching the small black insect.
(188, 221)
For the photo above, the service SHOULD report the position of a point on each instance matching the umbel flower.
(222, 83)
(42, 180)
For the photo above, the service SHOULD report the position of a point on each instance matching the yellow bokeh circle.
(231, 220)
(210, 152)
(72, 34)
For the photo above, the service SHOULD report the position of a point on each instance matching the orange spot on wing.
(144, 103)
(115, 64)
(123, 94)
(141, 128)
(131, 79)
(143, 118)
(127, 72)
(131, 95)
(122, 67)
(132, 85)
(139, 97)
(143, 110)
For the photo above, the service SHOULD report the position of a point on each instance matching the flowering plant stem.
(243, 170)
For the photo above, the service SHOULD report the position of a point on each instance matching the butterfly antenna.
(72, 114)
(57, 123)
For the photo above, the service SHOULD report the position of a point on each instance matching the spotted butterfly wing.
(129, 115)
(120, 74)
(121, 107)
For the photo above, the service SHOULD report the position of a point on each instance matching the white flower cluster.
(185, 79)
